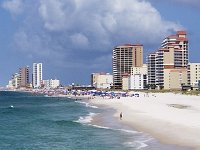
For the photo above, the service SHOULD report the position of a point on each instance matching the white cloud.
(33, 45)
(14, 6)
(102, 19)
(79, 40)
(55, 13)
(60, 28)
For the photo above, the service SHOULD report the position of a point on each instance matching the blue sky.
(74, 38)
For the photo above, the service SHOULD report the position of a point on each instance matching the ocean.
(59, 123)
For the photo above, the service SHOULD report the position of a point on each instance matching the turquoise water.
(48, 123)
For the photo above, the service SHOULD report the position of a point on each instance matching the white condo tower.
(37, 75)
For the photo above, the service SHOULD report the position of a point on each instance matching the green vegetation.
(191, 92)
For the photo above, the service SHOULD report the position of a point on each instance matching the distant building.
(51, 83)
(10, 85)
(101, 80)
(37, 75)
(14, 82)
(24, 77)
(194, 74)
(125, 57)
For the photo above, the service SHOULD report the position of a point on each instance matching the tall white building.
(37, 75)
(151, 60)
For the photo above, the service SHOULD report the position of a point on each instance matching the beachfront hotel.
(167, 67)
(101, 80)
(124, 57)
(37, 75)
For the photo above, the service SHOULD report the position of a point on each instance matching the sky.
(74, 38)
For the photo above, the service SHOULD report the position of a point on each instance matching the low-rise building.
(193, 74)
(10, 85)
(51, 83)
(14, 82)
(138, 82)
(138, 78)
(125, 82)
(101, 80)
(175, 78)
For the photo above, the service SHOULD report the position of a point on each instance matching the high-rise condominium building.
(170, 62)
(125, 57)
(151, 67)
(37, 75)
(23, 77)
(179, 44)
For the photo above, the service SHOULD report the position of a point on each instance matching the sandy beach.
(170, 118)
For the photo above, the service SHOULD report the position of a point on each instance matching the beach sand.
(171, 118)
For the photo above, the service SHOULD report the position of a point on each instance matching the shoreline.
(162, 117)
(151, 142)
(172, 119)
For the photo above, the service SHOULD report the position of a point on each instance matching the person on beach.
(120, 116)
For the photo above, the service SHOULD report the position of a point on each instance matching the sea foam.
(86, 119)
(136, 144)
(121, 130)
(86, 104)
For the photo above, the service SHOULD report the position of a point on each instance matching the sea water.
(52, 123)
